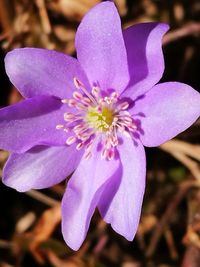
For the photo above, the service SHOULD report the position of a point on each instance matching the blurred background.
(169, 231)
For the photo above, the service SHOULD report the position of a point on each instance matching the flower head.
(92, 116)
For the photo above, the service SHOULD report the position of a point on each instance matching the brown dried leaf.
(43, 230)
(121, 6)
(63, 33)
(73, 10)
(70, 262)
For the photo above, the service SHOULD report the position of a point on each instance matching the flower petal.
(43, 72)
(145, 57)
(100, 47)
(40, 167)
(82, 195)
(168, 109)
(120, 203)
(31, 122)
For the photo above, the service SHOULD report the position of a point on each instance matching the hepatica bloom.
(91, 116)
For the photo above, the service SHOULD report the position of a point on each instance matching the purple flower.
(93, 115)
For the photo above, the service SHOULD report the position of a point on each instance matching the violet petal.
(145, 57)
(168, 108)
(37, 71)
(82, 195)
(32, 122)
(100, 47)
(40, 167)
(123, 209)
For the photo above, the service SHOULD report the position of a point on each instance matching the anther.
(77, 83)
(123, 106)
(104, 153)
(127, 134)
(69, 116)
(79, 146)
(59, 126)
(65, 101)
(81, 106)
(80, 86)
(70, 140)
(71, 103)
(114, 95)
(86, 100)
(88, 155)
(110, 154)
(95, 91)
(77, 95)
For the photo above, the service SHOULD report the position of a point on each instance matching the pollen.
(100, 118)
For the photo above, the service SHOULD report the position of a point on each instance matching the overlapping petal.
(145, 57)
(100, 47)
(121, 201)
(82, 195)
(31, 122)
(168, 109)
(40, 167)
(43, 72)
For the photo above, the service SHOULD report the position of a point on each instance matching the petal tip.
(69, 241)
(129, 234)
(14, 186)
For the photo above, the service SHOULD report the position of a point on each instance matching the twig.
(192, 28)
(44, 16)
(5, 16)
(189, 163)
(171, 245)
(5, 244)
(160, 228)
(42, 198)
(189, 149)
(182, 151)
(191, 257)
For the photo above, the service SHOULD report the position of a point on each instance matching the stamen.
(132, 128)
(127, 134)
(80, 86)
(59, 126)
(64, 101)
(71, 103)
(114, 95)
(77, 95)
(71, 140)
(69, 116)
(123, 106)
(86, 101)
(110, 154)
(107, 100)
(80, 106)
(96, 92)
(79, 127)
(79, 146)
(97, 115)
(104, 154)
(78, 83)
(88, 155)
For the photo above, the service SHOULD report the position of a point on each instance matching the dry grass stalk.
(185, 153)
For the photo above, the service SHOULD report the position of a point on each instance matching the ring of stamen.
(96, 115)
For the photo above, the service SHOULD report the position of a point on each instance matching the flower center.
(93, 115)
(100, 119)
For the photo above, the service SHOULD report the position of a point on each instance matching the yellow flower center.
(100, 120)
